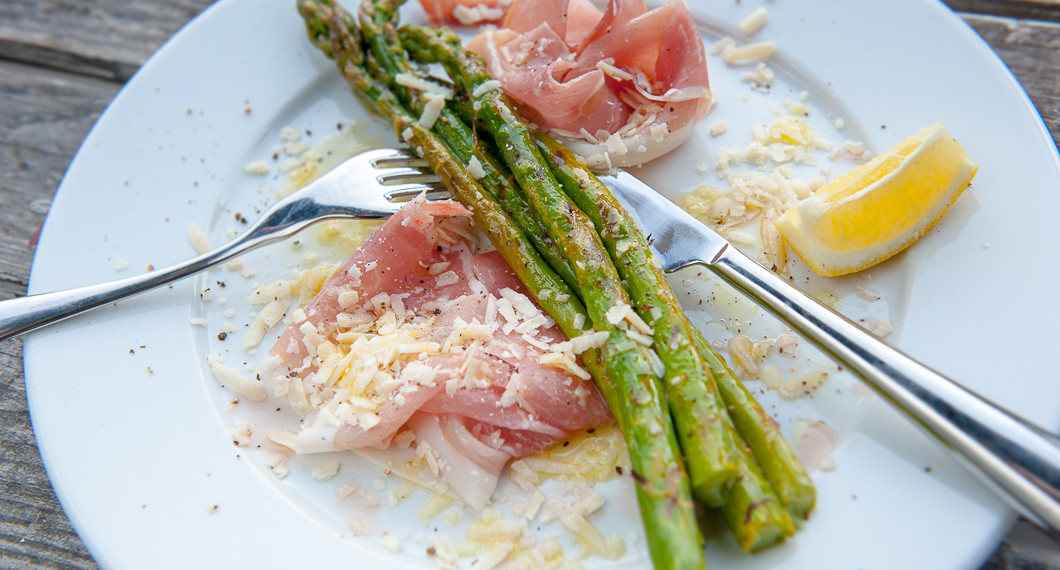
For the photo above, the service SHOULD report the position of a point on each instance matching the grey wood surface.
(62, 61)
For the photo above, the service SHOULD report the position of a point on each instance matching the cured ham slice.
(463, 12)
(417, 334)
(620, 86)
(411, 242)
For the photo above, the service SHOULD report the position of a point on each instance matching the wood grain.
(1031, 50)
(34, 532)
(1046, 10)
(46, 116)
(62, 61)
(109, 39)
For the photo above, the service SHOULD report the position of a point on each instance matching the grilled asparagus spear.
(626, 380)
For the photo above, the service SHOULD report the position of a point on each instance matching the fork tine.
(394, 176)
(399, 194)
(404, 192)
(392, 157)
(385, 154)
(396, 161)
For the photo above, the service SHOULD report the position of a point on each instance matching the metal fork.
(369, 186)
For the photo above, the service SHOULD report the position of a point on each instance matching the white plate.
(134, 432)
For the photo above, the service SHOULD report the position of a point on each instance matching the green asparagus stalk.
(333, 30)
(337, 34)
(709, 445)
(751, 509)
(378, 20)
(772, 452)
(649, 287)
(658, 469)
(761, 528)
(627, 384)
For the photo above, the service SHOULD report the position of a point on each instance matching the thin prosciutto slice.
(463, 12)
(465, 374)
(620, 86)
(409, 246)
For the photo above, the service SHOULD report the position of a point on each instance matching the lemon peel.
(881, 207)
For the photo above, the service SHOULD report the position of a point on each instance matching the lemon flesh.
(881, 207)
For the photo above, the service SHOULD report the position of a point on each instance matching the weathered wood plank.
(45, 117)
(1032, 52)
(1032, 551)
(34, 532)
(109, 39)
(1046, 10)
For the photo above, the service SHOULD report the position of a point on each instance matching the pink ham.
(586, 74)
(471, 424)
(409, 243)
(463, 12)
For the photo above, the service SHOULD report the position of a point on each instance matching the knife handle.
(1017, 459)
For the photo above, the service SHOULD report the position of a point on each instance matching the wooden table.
(62, 61)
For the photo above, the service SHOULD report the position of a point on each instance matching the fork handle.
(23, 314)
(1017, 459)
(284, 219)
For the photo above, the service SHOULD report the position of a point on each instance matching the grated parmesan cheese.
(278, 466)
(721, 45)
(584, 531)
(615, 145)
(748, 53)
(233, 380)
(418, 83)
(283, 438)
(198, 239)
(371, 500)
(485, 87)
(474, 168)
(513, 391)
(392, 542)
(241, 435)
(290, 134)
(564, 361)
(658, 132)
(755, 22)
(608, 68)
(446, 279)
(257, 168)
(348, 299)
(431, 110)
(269, 316)
(761, 78)
(326, 471)
(472, 15)
(623, 314)
(583, 342)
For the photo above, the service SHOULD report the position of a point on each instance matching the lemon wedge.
(881, 207)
